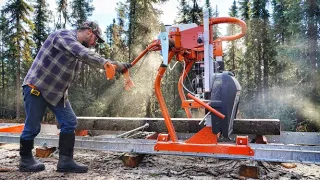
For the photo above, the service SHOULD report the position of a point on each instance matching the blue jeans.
(35, 107)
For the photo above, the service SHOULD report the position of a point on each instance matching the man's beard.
(85, 44)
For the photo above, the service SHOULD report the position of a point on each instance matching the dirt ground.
(107, 165)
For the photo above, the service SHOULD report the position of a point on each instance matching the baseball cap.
(95, 29)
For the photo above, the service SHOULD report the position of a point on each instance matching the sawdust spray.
(289, 102)
(118, 102)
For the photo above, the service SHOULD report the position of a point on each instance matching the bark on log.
(256, 126)
(181, 125)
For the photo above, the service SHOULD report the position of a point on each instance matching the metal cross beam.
(265, 152)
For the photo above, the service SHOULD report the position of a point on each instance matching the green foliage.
(81, 10)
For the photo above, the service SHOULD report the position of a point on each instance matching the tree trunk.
(2, 80)
(18, 89)
(131, 29)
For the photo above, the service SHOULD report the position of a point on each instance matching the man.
(46, 84)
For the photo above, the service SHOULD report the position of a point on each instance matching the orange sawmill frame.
(12, 129)
(204, 141)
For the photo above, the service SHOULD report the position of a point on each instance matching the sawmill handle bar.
(154, 46)
(230, 20)
(215, 112)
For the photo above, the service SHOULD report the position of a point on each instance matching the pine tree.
(138, 10)
(312, 23)
(208, 6)
(189, 13)
(18, 13)
(280, 20)
(4, 79)
(109, 32)
(41, 22)
(231, 31)
(233, 47)
(81, 10)
(245, 9)
(196, 12)
(183, 12)
(246, 70)
(62, 14)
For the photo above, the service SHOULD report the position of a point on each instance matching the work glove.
(121, 66)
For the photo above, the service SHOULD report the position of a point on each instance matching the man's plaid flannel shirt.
(58, 63)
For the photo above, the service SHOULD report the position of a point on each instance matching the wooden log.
(256, 126)
(181, 125)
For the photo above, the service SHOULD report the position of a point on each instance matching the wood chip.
(288, 165)
(6, 169)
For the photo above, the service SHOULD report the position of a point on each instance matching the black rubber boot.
(66, 162)
(27, 162)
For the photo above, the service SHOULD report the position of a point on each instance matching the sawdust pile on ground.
(107, 165)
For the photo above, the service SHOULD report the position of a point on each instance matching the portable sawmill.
(213, 89)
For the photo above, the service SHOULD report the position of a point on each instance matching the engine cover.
(225, 99)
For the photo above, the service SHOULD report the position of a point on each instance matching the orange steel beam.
(217, 48)
(12, 129)
(163, 107)
(205, 142)
(215, 112)
(204, 136)
(180, 86)
(234, 149)
(190, 104)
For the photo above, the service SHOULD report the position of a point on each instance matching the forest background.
(276, 63)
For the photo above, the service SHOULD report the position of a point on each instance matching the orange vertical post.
(162, 103)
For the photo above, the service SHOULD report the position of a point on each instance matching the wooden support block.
(131, 160)
(44, 152)
(152, 136)
(249, 171)
(260, 139)
(81, 132)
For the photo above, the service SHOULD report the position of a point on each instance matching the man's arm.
(66, 41)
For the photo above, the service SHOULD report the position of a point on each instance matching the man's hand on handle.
(112, 66)
(121, 67)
